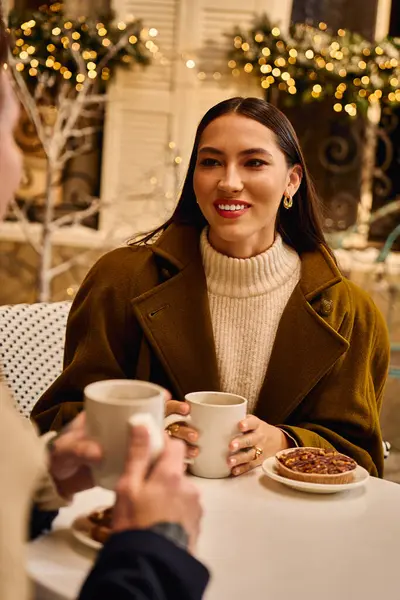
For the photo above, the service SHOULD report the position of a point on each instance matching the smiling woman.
(269, 143)
(240, 293)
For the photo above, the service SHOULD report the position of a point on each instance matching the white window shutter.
(138, 128)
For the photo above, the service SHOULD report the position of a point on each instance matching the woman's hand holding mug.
(257, 441)
(182, 430)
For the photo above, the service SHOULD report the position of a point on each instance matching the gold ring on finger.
(173, 428)
(258, 452)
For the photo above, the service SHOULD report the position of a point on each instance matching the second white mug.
(216, 417)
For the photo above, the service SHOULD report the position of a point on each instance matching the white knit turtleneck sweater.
(247, 298)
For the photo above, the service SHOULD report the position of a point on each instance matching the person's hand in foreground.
(71, 456)
(149, 495)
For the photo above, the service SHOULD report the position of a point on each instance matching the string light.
(47, 41)
(329, 56)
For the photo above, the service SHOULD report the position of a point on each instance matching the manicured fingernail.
(192, 437)
(232, 461)
(193, 452)
(243, 425)
(235, 445)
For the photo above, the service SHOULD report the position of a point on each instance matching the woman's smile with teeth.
(231, 206)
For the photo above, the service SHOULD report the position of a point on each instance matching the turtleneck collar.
(246, 277)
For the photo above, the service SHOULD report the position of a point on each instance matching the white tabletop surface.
(261, 541)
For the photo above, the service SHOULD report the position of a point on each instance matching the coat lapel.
(306, 346)
(176, 320)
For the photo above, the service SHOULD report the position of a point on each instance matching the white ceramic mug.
(111, 407)
(216, 417)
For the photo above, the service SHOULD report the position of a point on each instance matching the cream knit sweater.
(247, 298)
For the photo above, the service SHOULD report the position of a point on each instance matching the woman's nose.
(231, 181)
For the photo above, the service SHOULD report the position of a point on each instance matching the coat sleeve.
(343, 410)
(101, 338)
(142, 565)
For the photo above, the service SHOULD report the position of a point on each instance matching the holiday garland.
(311, 64)
(52, 48)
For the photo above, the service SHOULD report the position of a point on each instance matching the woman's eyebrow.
(212, 150)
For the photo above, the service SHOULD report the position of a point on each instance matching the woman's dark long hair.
(299, 226)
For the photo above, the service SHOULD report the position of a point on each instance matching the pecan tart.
(96, 525)
(315, 465)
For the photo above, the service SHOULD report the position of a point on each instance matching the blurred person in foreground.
(157, 511)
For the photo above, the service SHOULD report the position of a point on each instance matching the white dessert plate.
(80, 531)
(361, 477)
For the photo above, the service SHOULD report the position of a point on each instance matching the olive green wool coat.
(143, 312)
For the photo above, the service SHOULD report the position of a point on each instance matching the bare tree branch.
(29, 104)
(116, 48)
(386, 210)
(78, 259)
(76, 55)
(86, 147)
(24, 223)
(85, 131)
(78, 217)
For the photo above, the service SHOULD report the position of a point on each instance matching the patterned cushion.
(31, 349)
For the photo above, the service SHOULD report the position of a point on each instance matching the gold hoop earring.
(287, 202)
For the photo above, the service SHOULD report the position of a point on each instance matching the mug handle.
(156, 435)
(175, 418)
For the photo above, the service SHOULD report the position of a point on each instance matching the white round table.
(261, 541)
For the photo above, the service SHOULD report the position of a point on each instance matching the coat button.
(326, 307)
(166, 274)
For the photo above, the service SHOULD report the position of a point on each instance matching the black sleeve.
(40, 521)
(143, 565)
